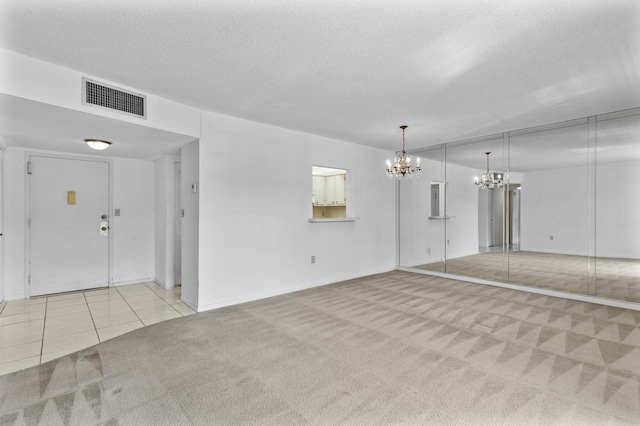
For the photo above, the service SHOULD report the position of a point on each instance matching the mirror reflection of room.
(329, 192)
(565, 216)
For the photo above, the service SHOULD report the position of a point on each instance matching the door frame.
(27, 210)
(177, 218)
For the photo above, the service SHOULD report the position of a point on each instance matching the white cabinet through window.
(319, 196)
(335, 190)
(329, 190)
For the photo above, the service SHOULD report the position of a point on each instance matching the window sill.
(332, 219)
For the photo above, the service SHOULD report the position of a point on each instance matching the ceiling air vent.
(112, 98)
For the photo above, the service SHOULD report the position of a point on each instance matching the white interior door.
(69, 250)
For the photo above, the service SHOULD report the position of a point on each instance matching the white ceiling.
(42, 126)
(352, 70)
(617, 139)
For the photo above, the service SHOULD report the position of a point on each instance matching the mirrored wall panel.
(422, 215)
(554, 207)
(551, 167)
(617, 200)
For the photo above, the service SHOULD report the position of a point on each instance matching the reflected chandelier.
(402, 164)
(489, 180)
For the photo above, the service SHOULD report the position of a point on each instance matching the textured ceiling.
(42, 126)
(353, 70)
(616, 139)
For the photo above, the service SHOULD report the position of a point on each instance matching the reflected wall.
(566, 216)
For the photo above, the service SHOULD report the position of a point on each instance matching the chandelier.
(402, 164)
(489, 180)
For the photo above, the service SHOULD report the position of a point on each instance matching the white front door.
(69, 250)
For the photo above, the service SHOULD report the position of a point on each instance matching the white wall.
(255, 199)
(41, 81)
(462, 204)
(417, 232)
(618, 210)
(164, 221)
(15, 227)
(555, 203)
(190, 225)
(454, 237)
(132, 237)
(133, 230)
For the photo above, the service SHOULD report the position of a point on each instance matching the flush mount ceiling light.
(489, 180)
(402, 164)
(97, 144)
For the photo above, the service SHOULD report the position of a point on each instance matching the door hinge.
(29, 168)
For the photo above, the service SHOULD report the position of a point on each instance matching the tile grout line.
(159, 294)
(130, 307)
(162, 298)
(84, 294)
(44, 327)
(181, 314)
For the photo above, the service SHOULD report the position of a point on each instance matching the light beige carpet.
(614, 278)
(394, 348)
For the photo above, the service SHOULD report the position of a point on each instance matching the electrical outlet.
(429, 251)
(313, 259)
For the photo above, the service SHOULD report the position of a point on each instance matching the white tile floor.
(33, 331)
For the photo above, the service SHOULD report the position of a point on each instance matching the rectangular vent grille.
(111, 98)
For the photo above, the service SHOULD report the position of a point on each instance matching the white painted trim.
(161, 285)
(554, 293)
(189, 303)
(333, 219)
(134, 281)
(265, 295)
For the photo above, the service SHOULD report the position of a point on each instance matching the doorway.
(68, 224)
(499, 219)
(513, 217)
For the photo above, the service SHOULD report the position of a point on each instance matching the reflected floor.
(616, 278)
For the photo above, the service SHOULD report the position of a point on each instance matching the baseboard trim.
(129, 282)
(189, 303)
(158, 283)
(239, 300)
(555, 293)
